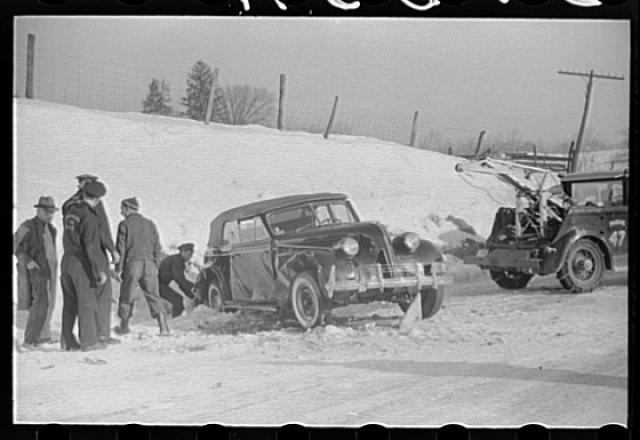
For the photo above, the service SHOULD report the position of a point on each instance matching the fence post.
(535, 156)
(570, 164)
(31, 44)
(450, 151)
(283, 79)
(414, 127)
(333, 114)
(212, 95)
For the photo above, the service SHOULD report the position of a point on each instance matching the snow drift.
(184, 172)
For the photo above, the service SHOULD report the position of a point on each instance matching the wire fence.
(112, 85)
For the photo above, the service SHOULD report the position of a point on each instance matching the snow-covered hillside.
(184, 172)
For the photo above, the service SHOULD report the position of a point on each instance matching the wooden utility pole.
(571, 167)
(591, 75)
(414, 127)
(212, 96)
(31, 45)
(333, 114)
(480, 137)
(283, 79)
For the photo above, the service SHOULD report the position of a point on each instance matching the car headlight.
(411, 241)
(348, 245)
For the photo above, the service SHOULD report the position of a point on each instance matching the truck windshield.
(310, 216)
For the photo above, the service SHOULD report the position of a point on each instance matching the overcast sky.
(498, 75)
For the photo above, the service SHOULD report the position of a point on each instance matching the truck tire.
(510, 279)
(583, 267)
(307, 302)
(431, 302)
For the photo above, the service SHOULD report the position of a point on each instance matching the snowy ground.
(488, 357)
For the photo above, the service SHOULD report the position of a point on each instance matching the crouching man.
(174, 286)
(34, 244)
(138, 244)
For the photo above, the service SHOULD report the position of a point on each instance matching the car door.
(252, 275)
(615, 212)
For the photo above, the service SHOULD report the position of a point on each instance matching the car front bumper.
(379, 277)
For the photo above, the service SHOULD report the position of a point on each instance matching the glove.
(102, 278)
(32, 265)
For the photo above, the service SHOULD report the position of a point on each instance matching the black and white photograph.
(257, 221)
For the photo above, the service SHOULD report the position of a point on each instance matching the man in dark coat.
(106, 243)
(139, 246)
(172, 270)
(83, 271)
(34, 246)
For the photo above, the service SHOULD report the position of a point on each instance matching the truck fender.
(557, 252)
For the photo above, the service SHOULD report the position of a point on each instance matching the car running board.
(259, 307)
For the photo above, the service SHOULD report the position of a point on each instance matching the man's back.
(138, 239)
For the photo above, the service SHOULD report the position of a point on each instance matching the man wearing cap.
(34, 244)
(106, 242)
(84, 271)
(139, 246)
(172, 272)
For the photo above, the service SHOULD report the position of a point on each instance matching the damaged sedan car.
(303, 255)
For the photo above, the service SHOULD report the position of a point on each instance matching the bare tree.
(249, 105)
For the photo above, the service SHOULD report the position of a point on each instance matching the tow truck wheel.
(510, 279)
(306, 300)
(431, 302)
(583, 268)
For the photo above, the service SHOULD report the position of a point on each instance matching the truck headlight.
(348, 245)
(412, 241)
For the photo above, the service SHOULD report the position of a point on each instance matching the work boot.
(123, 329)
(164, 326)
(73, 346)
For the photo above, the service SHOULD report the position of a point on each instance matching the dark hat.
(46, 202)
(186, 247)
(94, 189)
(89, 177)
(132, 203)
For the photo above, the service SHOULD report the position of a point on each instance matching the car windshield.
(314, 215)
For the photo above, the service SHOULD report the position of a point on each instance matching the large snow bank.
(184, 172)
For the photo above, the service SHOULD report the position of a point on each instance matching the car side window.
(230, 232)
(251, 230)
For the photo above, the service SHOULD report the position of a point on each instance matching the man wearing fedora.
(84, 271)
(139, 246)
(34, 244)
(106, 242)
(172, 270)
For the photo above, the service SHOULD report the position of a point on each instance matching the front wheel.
(510, 279)
(306, 300)
(431, 302)
(583, 267)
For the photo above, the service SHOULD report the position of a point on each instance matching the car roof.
(594, 175)
(261, 207)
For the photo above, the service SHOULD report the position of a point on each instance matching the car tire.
(306, 300)
(583, 267)
(215, 296)
(431, 302)
(510, 279)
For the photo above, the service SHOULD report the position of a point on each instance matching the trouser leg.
(130, 277)
(51, 290)
(104, 296)
(87, 304)
(69, 309)
(38, 311)
(175, 300)
(149, 285)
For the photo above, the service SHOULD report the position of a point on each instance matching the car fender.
(556, 253)
(298, 262)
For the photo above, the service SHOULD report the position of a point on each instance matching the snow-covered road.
(490, 357)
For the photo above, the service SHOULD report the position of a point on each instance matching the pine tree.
(157, 101)
(198, 87)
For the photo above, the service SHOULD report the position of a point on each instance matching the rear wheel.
(510, 279)
(431, 302)
(214, 296)
(583, 267)
(306, 300)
